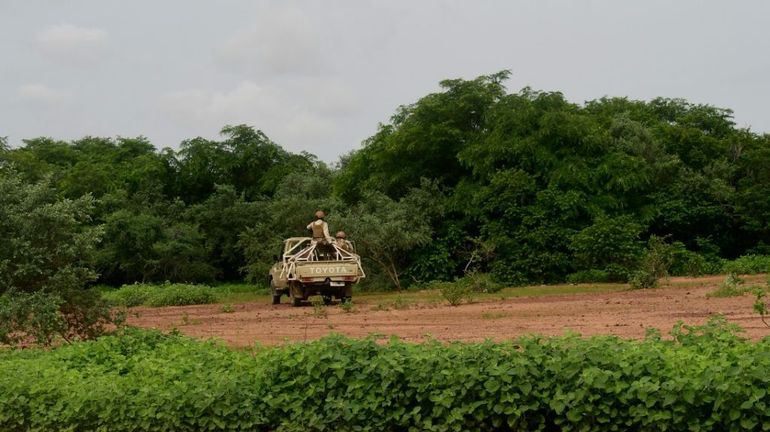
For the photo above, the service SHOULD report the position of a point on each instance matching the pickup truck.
(306, 268)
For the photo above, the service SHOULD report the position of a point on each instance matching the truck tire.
(327, 300)
(296, 301)
(276, 294)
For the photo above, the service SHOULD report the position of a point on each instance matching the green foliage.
(464, 288)
(35, 315)
(130, 295)
(609, 242)
(585, 276)
(705, 378)
(730, 287)
(319, 309)
(454, 293)
(642, 279)
(347, 306)
(760, 306)
(385, 230)
(479, 282)
(524, 185)
(688, 263)
(44, 265)
(748, 264)
(297, 198)
(168, 294)
(655, 263)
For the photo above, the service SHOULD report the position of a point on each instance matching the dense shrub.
(161, 295)
(584, 276)
(748, 264)
(688, 263)
(705, 378)
(47, 243)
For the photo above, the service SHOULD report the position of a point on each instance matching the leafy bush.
(129, 295)
(33, 315)
(730, 287)
(161, 295)
(705, 378)
(480, 282)
(181, 295)
(47, 245)
(748, 264)
(693, 264)
(585, 276)
(454, 292)
(655, 263)
(642, 279)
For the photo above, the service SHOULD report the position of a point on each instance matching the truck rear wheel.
(296, 301)
(275, 293)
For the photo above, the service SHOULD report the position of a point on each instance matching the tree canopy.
(548, 189)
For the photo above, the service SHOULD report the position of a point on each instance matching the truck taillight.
(306, 279)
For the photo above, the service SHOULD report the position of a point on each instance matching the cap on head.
(340, 234)
(320, 214)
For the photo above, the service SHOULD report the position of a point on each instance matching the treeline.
(526, 186)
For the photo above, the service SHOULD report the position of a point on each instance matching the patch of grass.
(347, 306)
(432, 295)
(319, 309)
(187, 321)
(380, 307)
(730, 287)
(401, 303)
(226, 308)
(241, 293)
(493, 315)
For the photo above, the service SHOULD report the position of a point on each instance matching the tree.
(44, 264)
(287, 214)
(610, 245)
(423, 140)
(386, 230)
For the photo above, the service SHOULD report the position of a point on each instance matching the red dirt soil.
(626, 314)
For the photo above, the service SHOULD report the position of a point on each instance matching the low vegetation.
(702, 378)
(160, 295)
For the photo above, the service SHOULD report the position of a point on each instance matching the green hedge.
(705, 379)
(167, 294)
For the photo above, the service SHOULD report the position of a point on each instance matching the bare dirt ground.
(625, 313)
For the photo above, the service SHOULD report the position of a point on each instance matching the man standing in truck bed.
(320, 229)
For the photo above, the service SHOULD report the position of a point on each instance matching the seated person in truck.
(342, 242)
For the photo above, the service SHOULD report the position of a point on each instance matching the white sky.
(320, 75)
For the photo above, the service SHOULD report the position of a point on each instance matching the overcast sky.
(319, 75)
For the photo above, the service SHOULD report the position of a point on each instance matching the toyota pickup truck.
(306, 268)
